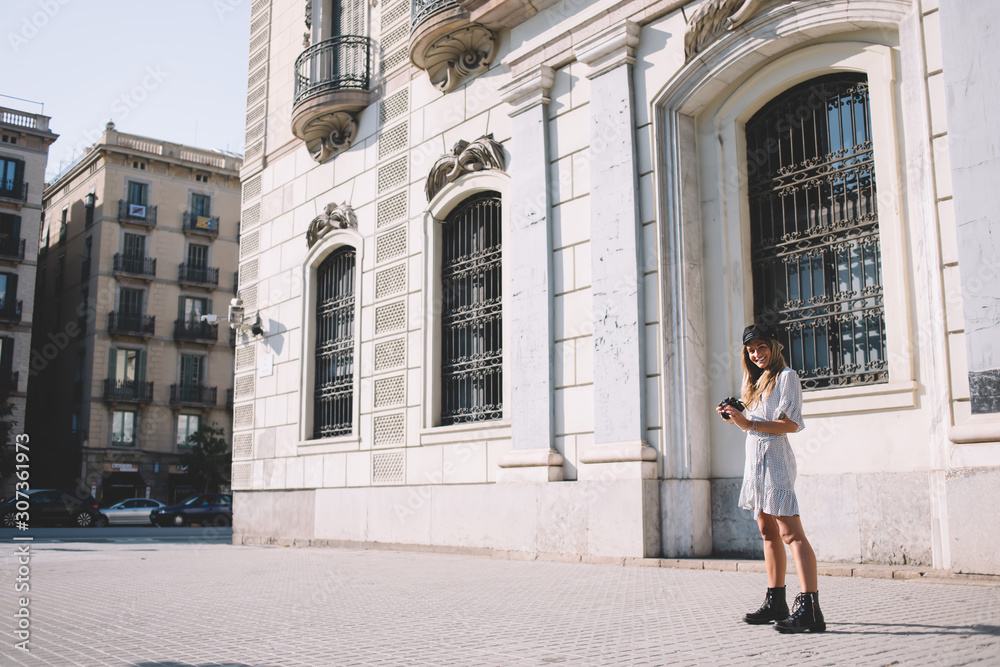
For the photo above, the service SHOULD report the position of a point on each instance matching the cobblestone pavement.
(169, 605)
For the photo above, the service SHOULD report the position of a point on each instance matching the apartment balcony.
(17, 192)
(196, 332)
(201, 224)
(199, 276)
(127, 324)
(12, 249)
(447, 44)
(194, 395)
(136, 214)
(332, 82)
(127, 391)
(10, 312)
(143, 268)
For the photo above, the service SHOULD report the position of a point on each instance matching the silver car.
(133, 510)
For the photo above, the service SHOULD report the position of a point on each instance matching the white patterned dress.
(769, 475)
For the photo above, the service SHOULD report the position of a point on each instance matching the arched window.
(333, 392)
(471, 312)
(815, 255)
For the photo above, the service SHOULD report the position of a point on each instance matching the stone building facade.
(139, 240)
(24, 150)
(502, 254)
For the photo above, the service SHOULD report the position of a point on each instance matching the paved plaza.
(173, 605)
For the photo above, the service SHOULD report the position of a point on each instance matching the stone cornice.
(528, 90)
(609, 49)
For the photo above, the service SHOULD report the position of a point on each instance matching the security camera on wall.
(239, 321)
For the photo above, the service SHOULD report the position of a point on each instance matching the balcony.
(201, 276)
(17, 192)
(194, 395)
(135, 267)
(10, 312)
(332, 82)
(201, 224)
(196, 332)
(500, 14)
(128, 391)
(136, 214)
(12, 249)
(128, 324)
(447, 44)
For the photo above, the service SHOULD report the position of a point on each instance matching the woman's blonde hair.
(757, 382)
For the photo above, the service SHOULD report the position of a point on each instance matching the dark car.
(50, 507)
(208, 509)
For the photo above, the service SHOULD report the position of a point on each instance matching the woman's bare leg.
(774, 550)
(794, 536)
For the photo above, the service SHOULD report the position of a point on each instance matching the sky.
(174, 70)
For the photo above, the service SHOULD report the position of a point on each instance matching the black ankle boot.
(774, 608)
(806, 616)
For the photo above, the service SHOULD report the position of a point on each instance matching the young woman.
(773, 396)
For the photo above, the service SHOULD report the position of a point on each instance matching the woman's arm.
(775, 427)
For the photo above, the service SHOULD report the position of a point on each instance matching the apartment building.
(139, 241)
(24, 149)
(505, 252)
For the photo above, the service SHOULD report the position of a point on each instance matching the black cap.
(758, 331)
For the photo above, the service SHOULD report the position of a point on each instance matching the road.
(123, 535)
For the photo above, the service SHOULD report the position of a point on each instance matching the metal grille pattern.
(389, 430)
(392, 175)
(394, 13)
(390, 317)
(471, 317)
(390, 281)
(393, 37)
(394, 60)
(243, 416)
(391, 210)
(256, 59)
(390, 391)
(390, 354)
(242, 475)
(249, 272)
(254, 150)
(246, 357)
(251, 217)
(387, 468)
(256, 95)
(334, 381)
(244, 387)
(394, 105)
(249, 297)
(257, 77)
(393, 139)
(815, 250)
(390, 245)
(250, 244)
(243, 446)
(252, 188)
(258, 41)
(255, 114)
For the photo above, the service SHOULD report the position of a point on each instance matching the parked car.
(131, 511)
(51, 507)
(215, 509)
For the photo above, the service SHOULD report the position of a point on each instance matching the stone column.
(528, 267)
(619, 467)
(616, 269)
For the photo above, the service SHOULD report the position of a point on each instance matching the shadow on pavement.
(916, 629)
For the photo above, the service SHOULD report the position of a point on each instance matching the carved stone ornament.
(329, 134)
(714, 18)
(334, 217)
(483, 153)
(452, 57)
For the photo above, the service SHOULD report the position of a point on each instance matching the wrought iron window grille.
(333, 398)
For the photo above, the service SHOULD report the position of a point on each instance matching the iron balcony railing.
(14, 191)
(193, 394)
(199, 275)
(135, 266)
(338, 63)
(10, 311)
(130, 324)
(136, 213)
(201, 224)
(202, 332)
(128, 391)
(12, 248)
(421, 10)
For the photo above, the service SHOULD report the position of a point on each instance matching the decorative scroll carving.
(716, 17)
(451, 57)
(334, 217)
(483, 153)
(329, 135)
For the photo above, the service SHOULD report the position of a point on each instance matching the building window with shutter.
(333, 399)
(11, 178)
(123, 428)
(186, 427)
(471, 312)
(815, 253)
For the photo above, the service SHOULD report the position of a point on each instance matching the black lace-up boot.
(774, 608)
(806, 616)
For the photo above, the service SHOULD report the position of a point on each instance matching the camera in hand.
(733, 402)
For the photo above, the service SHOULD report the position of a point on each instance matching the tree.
(209, 460)
(7, 462)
